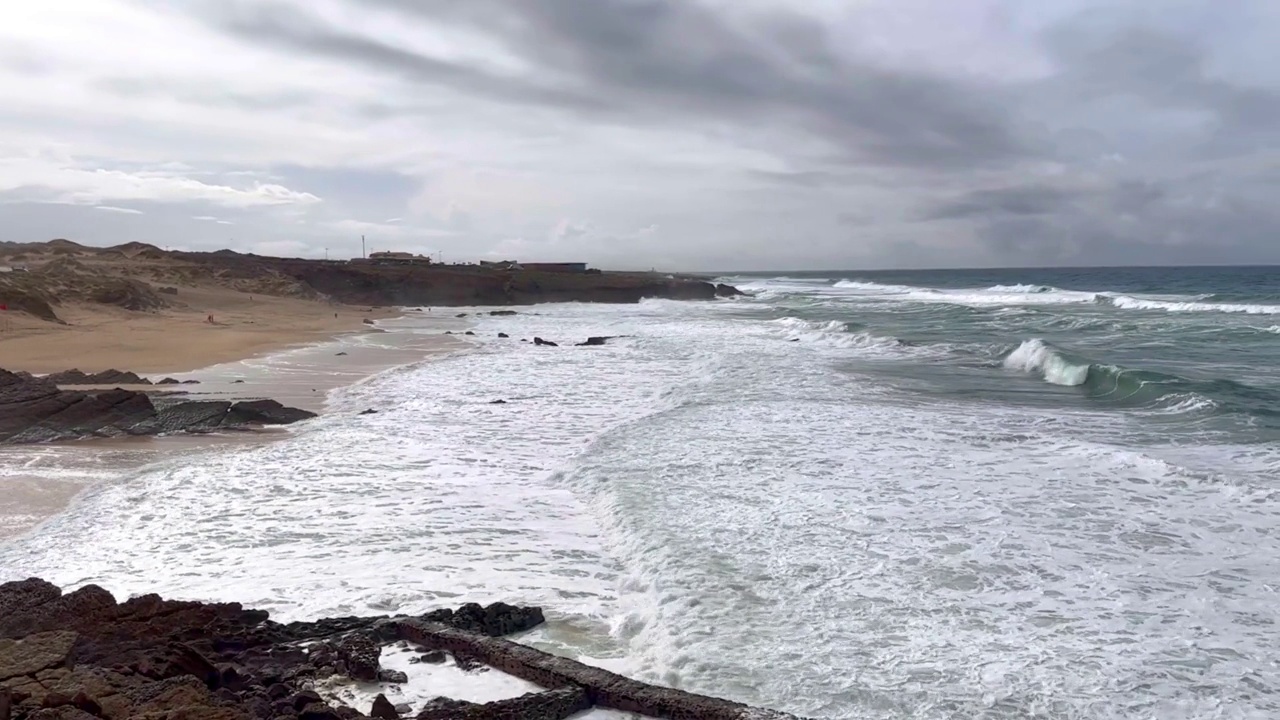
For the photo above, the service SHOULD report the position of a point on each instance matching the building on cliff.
(391, 257)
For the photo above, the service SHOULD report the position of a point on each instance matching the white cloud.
(52, 176)
(114, 209)
(110, 103)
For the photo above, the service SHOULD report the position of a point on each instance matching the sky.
(675, 134)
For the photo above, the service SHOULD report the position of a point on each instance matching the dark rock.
(723, 290)
(460, 315)
(305, 698)
(167, 381)
(540, 341)
(264, 412)
(167, 660)
(339, 354)
(503, 335)
(190, 382)
(497, 402)
(404, 708)
(383, 709)
(237, 382)
(596, 340)
(794, 340)
(502, 312)
(168, 290)
(367, 321)
(466, 663)
(319, 711)
(443, 708)
(37, 410)
(448, 332)
(468, 333)
(360, 655)
(370, 411)
(496, 620)
(106, 377)
(435, 657)
(392, 676)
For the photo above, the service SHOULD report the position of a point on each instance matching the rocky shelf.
(35, 409)
(83, 655)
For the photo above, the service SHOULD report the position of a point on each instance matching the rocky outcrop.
(36, 410)
(596, 340)
(726, 291)
(85, 655)
(545, 343)
(106, 377)
(421, 285)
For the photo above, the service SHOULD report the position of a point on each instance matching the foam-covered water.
(846, 497)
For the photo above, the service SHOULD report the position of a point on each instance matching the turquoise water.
(1192, 351)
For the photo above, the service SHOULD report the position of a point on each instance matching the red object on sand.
(4, 306)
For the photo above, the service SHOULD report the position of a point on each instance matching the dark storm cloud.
(297, 31)
(1019, 200)
(1167, 73)
(667, 61)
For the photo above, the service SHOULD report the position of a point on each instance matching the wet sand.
(37, 482)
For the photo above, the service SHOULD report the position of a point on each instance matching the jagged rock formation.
(36, 410)
(83, 655)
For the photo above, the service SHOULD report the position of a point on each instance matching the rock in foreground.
(83, 655)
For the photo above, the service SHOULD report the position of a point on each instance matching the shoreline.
(42, 481)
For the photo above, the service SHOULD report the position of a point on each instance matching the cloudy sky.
(691, 134)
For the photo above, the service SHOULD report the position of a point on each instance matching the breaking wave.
(1022, 288)
(1131, 387)
(836, 334)
(1035, 356)
(1029, 294)
(1128, 302)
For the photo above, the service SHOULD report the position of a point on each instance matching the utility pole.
(326, 253)
(363, 254)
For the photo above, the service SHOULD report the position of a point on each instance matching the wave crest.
(1128, 302)
(1035, 356)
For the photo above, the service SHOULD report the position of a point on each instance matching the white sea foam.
(1127, 302)
(702, 504)
(1036, 356)
(1022, 289)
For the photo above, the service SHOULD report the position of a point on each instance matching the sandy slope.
(176, 339)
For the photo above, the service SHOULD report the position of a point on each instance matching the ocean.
(926, 494)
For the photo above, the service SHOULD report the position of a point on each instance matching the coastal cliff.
(38, 279)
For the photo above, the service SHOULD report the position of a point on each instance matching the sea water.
(994, 494)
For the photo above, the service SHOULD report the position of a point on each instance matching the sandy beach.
(177, 339)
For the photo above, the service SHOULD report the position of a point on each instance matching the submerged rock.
(548, 343)
(597, 340)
